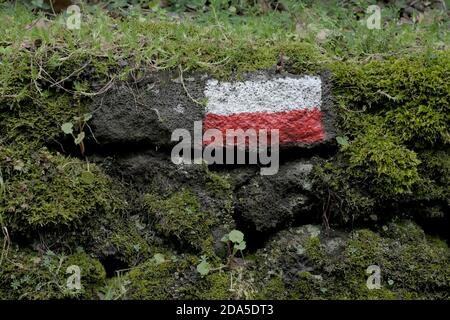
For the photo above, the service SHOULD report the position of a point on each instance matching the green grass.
(106, 48)
(214, 38)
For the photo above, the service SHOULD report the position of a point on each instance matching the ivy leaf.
(236, 236)
(203, 268)
(79, 138)
(67, 127)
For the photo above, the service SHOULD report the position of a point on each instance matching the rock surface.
(149, 111)
(186, 202)
(146, 113)
(271, 202)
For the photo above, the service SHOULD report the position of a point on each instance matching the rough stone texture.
(153, 172)
(286, 252)
(271, 202)
(148, 111)
(309, 263)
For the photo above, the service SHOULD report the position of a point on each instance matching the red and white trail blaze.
(291, 105)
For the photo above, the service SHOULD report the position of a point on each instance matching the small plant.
(204, 267)
(80, 123)
(235, 242)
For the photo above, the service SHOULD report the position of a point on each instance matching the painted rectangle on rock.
(291, 105)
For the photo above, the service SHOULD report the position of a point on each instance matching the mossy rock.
(25, 274)
(180, 216)
(301, 265)
(186, 204)
(404, 231)
(394, 129)
(44, 189)
(175, 277)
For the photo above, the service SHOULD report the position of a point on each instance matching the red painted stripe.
(296, 126)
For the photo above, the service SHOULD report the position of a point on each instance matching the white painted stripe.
(269, 95)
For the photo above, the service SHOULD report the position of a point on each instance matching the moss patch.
(46, 189)
(180, 215)
(311, 267)
(175, 278)
(25, 274)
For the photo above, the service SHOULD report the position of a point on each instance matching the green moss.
(274, 289)
(92, 273)
(364, 249)
(46, 189)
(314, 249)
(435, 170)
(378, 156)
(411, 265)
(175, 278)
(131, 247)
(404, 231)
(25, 274)
(411, 268)
(180, 216)
(214, 286)
(308, 287)
(349, 201)
(196, 216)
(407, 82)
(219, 185)
(152, 281)
(391, 110)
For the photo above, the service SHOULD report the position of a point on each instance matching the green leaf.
(343, 141)
(203, 268)
(236, 236)
(159, 258)
(87, 117)
(67, 127)
(79, 138)
(225, 238)
(240, 246)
